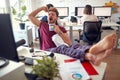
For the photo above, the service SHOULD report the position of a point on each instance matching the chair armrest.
(20, 42)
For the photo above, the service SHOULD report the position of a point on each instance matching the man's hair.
(88, 9)
(54, 10)
(49, 6)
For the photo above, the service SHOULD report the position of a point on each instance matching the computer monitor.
(63, 11)
(79, 11)
(102, 11)
(7, 42)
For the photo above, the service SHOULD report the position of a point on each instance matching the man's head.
(49, 6)
(52, 15)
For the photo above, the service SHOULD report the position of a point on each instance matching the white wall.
(75, 3)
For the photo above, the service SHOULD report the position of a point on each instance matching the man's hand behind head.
(45, 8)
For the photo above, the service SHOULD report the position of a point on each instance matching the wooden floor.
(113, 66)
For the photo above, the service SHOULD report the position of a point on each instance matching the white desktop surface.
(12, 71)
(24, 51)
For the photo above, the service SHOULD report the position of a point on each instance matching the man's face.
(52, 17)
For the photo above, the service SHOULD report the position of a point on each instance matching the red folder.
(89, 68)
(87, 65)
(69, 60)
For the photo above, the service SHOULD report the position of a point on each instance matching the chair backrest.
(92, 31)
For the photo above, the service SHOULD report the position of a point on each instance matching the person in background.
(45, 34)
(88, 15)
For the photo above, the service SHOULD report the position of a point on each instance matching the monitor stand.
(3, 62)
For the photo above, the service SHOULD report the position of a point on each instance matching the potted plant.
(45, 69)
(20, 16)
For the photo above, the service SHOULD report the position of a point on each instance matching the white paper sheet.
(73, 71)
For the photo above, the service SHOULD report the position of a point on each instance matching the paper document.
(73, 71)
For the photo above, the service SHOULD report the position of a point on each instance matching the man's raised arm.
(32, 15)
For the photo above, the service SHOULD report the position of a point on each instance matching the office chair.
(20, 42)
(91, 32)
(40, 41)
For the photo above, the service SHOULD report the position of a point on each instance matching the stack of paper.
(73, 70)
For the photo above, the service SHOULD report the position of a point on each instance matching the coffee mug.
(51, 27)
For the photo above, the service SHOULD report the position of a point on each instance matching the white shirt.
(88, 18)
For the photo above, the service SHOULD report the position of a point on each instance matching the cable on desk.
(3, 62)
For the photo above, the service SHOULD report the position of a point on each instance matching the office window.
(2, 7)
(2, 10)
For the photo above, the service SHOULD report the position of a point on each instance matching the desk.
(80, 26)
(23, 51)
(12, 71)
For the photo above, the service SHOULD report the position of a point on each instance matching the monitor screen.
(79, 11)
(63, 11)
(7, 42)
(102, 11)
